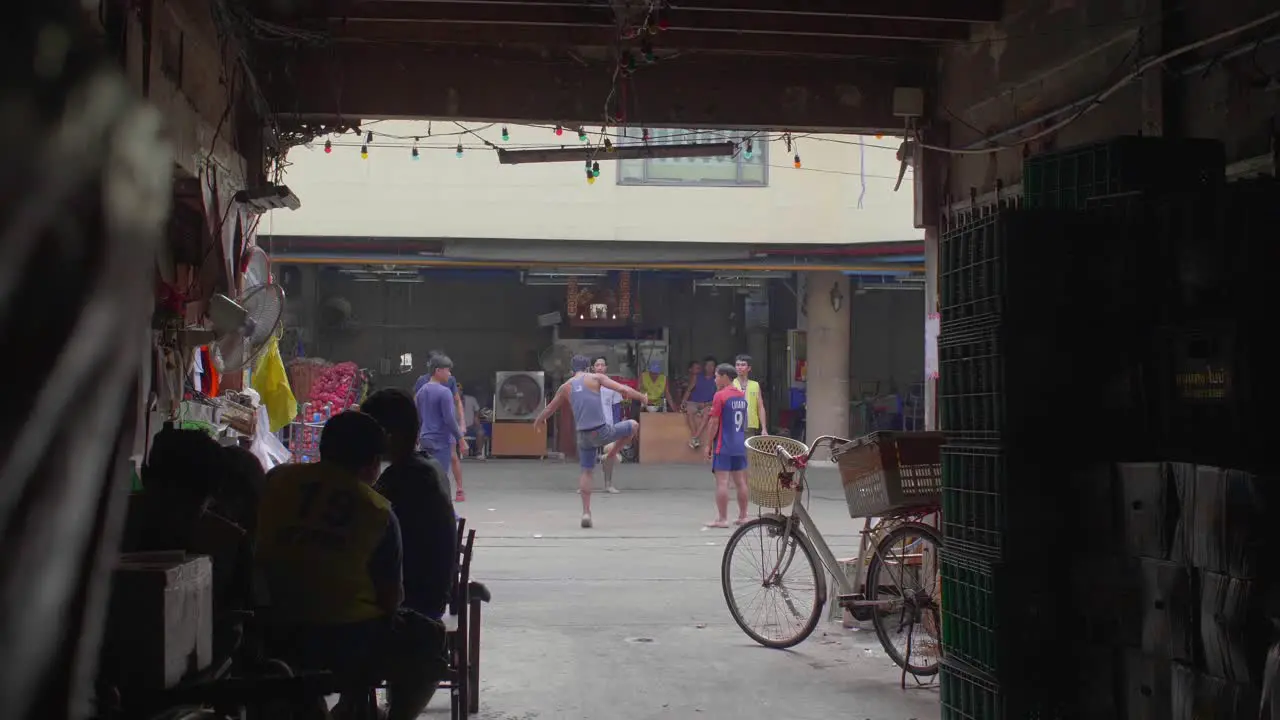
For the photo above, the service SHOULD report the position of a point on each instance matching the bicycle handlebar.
(788, 459)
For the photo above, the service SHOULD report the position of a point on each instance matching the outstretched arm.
(561, 396)
(621, 389)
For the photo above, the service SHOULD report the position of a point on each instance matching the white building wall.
(442, 196)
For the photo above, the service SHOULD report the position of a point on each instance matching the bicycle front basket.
(763, 468)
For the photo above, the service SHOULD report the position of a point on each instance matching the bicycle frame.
(847, 591)
(801, 514)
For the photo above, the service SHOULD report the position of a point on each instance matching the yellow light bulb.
(591, 180)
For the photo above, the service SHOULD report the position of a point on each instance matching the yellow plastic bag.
(272, 383)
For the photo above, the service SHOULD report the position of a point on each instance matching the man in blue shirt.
(697, 400)
(441, 430)
(455, 463)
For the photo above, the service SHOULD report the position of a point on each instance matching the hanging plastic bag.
(272, 383)
(266, 446)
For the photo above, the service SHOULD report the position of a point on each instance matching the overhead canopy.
(815, 65)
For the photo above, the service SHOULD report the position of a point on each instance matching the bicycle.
(879, 482)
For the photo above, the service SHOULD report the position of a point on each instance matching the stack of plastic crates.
(1000, 614)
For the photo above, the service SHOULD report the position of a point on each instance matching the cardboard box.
(1197, 696)
(1149, 509)
(160, 619)
(1167, 610)
(1233, 628)
(1223, 525)
(1148, 690)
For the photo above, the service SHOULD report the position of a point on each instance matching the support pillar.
(826, 301)
(931, 328)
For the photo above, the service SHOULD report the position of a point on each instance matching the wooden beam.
(389, 31)
(679, 21)
(357, 81)
(944, 10)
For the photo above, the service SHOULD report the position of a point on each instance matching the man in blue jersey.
(728, 447)
(582, 392)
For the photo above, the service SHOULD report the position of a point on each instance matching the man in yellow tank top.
(757, 418)
(329, 552)
(654, 385)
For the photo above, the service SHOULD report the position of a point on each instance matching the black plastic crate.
(973, 386)
(998, 505)
(997, 618)
(1217, 250)
(1000, 385)
(1070, 178)
(1043, 268)
(969, 694)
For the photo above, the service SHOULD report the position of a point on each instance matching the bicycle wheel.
(784, 591)
(904, 571)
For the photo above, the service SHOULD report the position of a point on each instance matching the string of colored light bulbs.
(592, 166)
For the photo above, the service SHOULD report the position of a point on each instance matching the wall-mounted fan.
(255, 264)
(556, 362)
(246, 326)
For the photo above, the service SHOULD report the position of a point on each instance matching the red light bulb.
(328, 146)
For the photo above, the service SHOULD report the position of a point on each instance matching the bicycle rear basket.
(763, 467)
(886, 471)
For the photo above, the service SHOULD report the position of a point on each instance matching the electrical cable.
(1115, 87)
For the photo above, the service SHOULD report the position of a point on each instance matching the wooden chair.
(479, 596)
(457, 622)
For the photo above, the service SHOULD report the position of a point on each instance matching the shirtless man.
(582, 393)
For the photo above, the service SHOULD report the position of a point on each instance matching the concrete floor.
(627, 621)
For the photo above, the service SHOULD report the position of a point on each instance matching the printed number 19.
(737, 421)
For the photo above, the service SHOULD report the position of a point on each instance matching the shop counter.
(664, 439)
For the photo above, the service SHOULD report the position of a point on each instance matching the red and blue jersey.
(730, 407)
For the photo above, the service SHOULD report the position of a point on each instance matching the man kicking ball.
(582, 392)
(728, 447)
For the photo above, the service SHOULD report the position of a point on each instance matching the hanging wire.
(862, 170)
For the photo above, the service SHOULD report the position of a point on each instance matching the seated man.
(419, 495)
(329, 553)
(184, 472)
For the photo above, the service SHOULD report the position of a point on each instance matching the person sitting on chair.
(329, 551)
(185, 470)
(419, 495)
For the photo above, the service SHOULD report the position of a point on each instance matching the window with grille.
(736, 171)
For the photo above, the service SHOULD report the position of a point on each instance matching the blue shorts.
(728, 463)
(591, 440)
